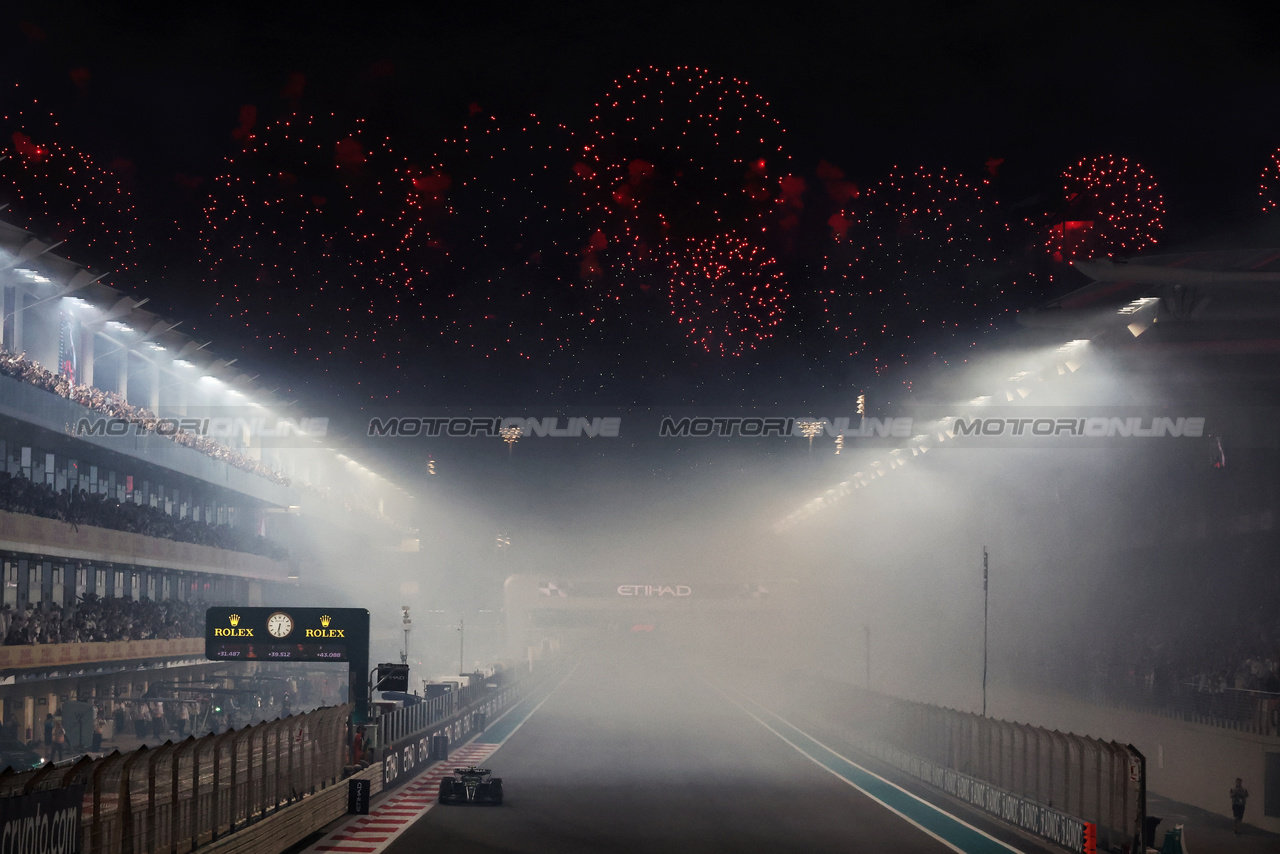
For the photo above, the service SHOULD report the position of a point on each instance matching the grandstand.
(144, 477)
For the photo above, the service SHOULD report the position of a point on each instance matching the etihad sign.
(654, 590)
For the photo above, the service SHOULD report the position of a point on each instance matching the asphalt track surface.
(652, 759)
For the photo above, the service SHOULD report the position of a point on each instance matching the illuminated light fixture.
(210, 379)
(159, 348)
(510, 435)
(120, 327)
(839, 444)
(74, 302)
(182, 363)
(1138, 305)
(809, 429)
(34, 276)
(1138, 327)
(980, 400)
(1023, 392)
(1019, 376)
(1073, 366)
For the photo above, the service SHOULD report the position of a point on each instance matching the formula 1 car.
(471, 785)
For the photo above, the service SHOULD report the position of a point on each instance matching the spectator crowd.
(95, 620)
(113, 405)
(79, 507)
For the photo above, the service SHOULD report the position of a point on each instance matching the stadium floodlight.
(33, 276)
(809, 429)
(510, 435)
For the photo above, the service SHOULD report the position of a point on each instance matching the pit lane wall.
(1071, 789)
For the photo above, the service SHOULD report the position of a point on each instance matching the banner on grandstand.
(68, 364)
(45, 822)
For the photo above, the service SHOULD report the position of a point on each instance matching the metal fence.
(420, 717)
(1099, 782)
(411, 720)
(177, 796)
(1231, 708)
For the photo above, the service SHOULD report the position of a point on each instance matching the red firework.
(311, 238)
(61, 193)
(1269, 188)
(1112, 207)
(912, 257)
(507, 234)
(671, 156)
(726, 294)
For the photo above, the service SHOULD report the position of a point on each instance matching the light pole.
(984, 631)
(408, 624)
(809, 429)
(510, 435)
(866, 630)
(462, 641)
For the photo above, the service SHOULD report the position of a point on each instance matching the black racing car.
(471, 785)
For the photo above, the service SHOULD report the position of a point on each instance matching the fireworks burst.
(670, 156)
(62, 194)
(726, 294)
(310, 239)
(1269, 189)
(507, 234)
(911, 261)
(1112, 207)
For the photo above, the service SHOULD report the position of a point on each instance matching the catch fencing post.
(95, 829)
(152, 806)
(235, 751)
(175, 793)
(217, 780)
(196, 746)
(124, 805)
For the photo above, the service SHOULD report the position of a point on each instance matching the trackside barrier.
(1058, 827)
(402, 723)
(178, 796)
(412, 720)
(404, 758)
(1086, 780)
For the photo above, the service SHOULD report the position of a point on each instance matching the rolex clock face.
(280, 624)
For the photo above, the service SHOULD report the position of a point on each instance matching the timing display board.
(286, 634)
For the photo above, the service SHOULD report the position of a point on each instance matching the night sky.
(461, 209)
